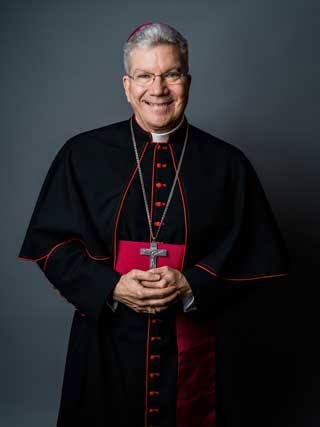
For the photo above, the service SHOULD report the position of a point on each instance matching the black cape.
(91, 198)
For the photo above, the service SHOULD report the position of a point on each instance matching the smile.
(158, 104)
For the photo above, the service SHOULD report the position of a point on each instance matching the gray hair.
(151, 35)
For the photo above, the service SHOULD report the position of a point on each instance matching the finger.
(141, 294)
(149, 293)
(128, 301)
(163, 283)
(167, 273)
(145, 275)
(160, 270)
(161, 302)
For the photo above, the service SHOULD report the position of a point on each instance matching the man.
(149, 227)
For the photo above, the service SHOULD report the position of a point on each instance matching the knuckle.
(143, 304)
(140, 293)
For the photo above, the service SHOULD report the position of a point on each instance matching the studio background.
(255, 67)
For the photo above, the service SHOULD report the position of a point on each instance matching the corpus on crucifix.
(154, 253)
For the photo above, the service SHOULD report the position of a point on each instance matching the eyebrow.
(150, 72)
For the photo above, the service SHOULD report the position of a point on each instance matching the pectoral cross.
(154, 253)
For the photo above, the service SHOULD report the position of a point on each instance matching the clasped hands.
(157, 288)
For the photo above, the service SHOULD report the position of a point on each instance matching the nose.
(158, 87)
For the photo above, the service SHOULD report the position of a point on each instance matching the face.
(158, 107)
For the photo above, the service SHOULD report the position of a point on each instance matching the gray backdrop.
(255, 67)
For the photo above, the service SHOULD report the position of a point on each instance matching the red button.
(159, 184)
(154, 393)
(155, 339)
(157, 223)
(161, 165)
(154, 374)
(155, 356)
(154, 410)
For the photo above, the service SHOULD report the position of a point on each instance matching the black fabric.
(229, 229)
(75, 274)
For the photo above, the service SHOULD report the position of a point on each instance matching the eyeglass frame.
(158, 75)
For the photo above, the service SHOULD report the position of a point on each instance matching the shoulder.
(217, 156)
(218, 149)
(86, 150)
(102, 137)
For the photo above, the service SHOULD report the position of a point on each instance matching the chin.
(160, 122)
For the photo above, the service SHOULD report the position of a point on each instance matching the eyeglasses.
(144, 78)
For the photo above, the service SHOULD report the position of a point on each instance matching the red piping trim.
(184, 211)
(114, 266)
(152, 185)
(147, 375)
(239, 279)
(121, 204)
(46, 256)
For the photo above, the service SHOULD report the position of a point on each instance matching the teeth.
(162, 104)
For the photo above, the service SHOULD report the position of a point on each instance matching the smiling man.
(157, 86)
(148, 227)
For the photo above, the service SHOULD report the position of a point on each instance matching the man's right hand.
(132, 293)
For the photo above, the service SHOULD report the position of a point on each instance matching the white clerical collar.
(163, 137)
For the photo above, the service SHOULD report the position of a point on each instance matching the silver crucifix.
(154, 253)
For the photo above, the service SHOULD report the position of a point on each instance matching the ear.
(126, 84)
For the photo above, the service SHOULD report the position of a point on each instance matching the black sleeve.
(253, 252)
(62, 239)
(84, 282)
(214, 294)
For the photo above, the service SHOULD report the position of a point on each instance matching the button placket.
(160, 184)
(154, 371)
(161, 191)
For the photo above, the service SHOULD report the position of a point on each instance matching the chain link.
(154, 237)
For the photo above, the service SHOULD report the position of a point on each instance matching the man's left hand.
(169, 276)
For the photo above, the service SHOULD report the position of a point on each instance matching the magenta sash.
(196, 398)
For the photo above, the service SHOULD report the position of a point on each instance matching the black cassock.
(124, 368)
